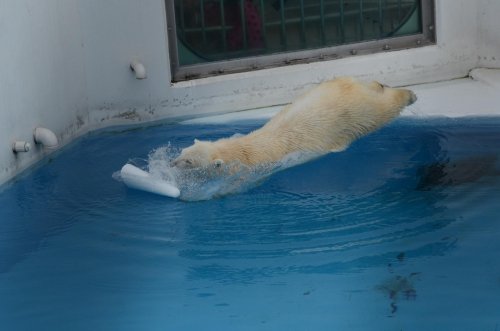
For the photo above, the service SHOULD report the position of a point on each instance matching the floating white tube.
(139, 179)
(139, 69)
(45, 137)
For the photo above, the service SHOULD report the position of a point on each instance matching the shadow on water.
(457, 172)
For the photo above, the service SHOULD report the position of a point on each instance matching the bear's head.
(201, 154)
(405, 97)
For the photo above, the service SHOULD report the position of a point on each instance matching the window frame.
(208, 69)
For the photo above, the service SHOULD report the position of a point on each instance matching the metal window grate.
(211, 37)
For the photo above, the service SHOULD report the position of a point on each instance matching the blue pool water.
(399, 232)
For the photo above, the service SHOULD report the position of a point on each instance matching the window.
(212, 37)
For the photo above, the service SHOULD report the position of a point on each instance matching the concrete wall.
(42, 76)
(489, 33)
(66, 67)
(115, 31)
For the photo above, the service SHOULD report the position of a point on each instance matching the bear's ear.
(218, 163)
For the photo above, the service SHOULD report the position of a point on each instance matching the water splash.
(210, 182)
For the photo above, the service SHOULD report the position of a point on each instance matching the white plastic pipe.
(139, 69)
(46, 137)
(139, 179)
(21, 146)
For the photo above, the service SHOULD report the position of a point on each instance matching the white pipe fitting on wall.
(21, 146)
(46, 137)
(139, 69)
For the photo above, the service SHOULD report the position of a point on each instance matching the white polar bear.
(325, 119)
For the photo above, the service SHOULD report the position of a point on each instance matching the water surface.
(399, 232)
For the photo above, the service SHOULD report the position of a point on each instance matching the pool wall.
(66, 67)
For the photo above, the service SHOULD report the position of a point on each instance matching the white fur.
(326, 119)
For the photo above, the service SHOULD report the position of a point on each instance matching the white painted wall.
(117, 30)
(489, 33)
(42, 76)
(66, 67)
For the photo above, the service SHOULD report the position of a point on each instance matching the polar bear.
(325, 119)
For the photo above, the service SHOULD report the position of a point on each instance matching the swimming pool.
(399, 232)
